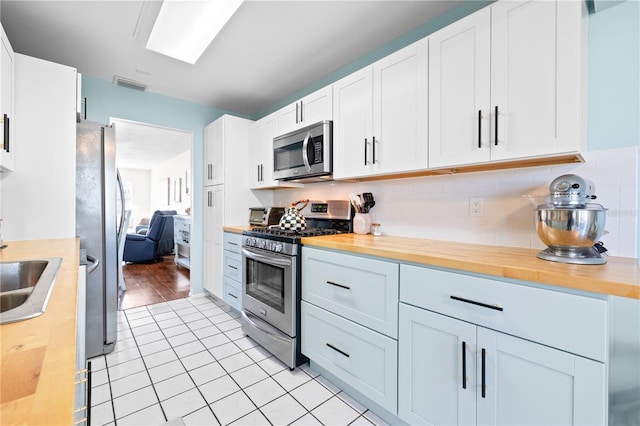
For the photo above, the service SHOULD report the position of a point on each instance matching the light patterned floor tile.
(100, 394)
(172, 322)
(215, 340)
(264, 391)
(232, 407)
(283, 410)
(99, 377)
(235, 362)
(272, 365)
(147, 416)
(249, 375)
(174, 331)
(98, 363)
(254, 418)
(160, 358)
(165, 371)
(149, 338)
(102, 414)
(153, 347)
(235, 333)
(174, 386)
(311, 394)
(198, 324)
(206, 332)
(181, 339)
(291, 379)
(245, 343)
(124, 344)
(141, 321)
(306, 420)
(335, 412)
(159, 308)
(218, 388)
(159, 317)
(134, 401)
(207, 373)
(125, 369)
(225, 350)
(144, 329)
(130, 383)
(183, 404)
(196, 360)
(115, 358)
(201, 417)
(189, 349)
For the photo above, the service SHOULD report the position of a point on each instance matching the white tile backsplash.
(437, 207)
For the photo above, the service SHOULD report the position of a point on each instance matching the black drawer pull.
(338, 350)
(473, 302)
(233, 267)
(339, 285)
(232, 295)
(464, 365)
(484, 373)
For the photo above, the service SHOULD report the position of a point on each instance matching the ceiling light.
(184, 29)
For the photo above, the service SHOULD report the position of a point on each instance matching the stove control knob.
(262, 243)
(278, 248)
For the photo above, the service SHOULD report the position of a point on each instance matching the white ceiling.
(268, 51)
(144, 146)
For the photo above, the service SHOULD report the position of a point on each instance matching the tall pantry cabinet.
(226, 195)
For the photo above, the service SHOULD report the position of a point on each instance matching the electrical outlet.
(476, 206)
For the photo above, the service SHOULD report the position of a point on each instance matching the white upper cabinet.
(7, 147)
(214, 153)
(309, 110)
(260, 171)
(505, 83)
(380, 116)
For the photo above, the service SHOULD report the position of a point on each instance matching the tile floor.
(187, 361)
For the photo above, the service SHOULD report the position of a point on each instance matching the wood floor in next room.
(149, 283)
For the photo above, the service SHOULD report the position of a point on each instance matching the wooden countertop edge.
(50, 400)
(620, 277)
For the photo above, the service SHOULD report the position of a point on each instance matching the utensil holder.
(361, 223)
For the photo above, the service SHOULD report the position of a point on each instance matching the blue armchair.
(157, 242)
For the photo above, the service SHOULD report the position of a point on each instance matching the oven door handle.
(266, 259)
(255, 325)
(305, 157)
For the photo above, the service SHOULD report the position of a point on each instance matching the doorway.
(155, 166)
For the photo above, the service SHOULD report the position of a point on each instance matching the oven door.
(269, 288)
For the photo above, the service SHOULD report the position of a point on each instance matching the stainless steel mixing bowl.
(570, 228)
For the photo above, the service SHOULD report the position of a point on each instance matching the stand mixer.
(571, 226)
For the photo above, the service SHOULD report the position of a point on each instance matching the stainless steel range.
(271, 279)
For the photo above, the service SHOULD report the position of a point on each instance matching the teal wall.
(614, 82)
(106, 100)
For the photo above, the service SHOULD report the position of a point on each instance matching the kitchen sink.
(25, 287)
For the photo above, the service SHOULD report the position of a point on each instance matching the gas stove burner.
(311, 232)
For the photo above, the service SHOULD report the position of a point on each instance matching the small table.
(181, 237)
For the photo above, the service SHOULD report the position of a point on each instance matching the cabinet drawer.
(366, 360)
(232, 242)
(232, 293)
(360, 289)
(573, 323)
(232, 265)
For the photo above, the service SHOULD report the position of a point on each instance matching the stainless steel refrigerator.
(97, 188)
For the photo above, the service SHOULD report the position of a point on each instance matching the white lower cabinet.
(454, 369)
(365, 359)
(232, 270)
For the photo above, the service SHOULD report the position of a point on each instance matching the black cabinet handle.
(484, 372)
(339, 285)
(296, 113)
(5, 136)
(464, 365)
(232, 295)
(301, 117)
(338, 350)
(85, 108)
(373, 142)
(365, 151)
(479, 128)
(261, 172)
(233, 267)
(496, 125)
(473, 302)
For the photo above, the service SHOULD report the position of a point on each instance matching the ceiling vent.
(131, 84)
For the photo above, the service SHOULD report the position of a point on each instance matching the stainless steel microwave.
(304, 155)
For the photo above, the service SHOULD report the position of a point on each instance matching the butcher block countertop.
(38, 355)
(618, 277)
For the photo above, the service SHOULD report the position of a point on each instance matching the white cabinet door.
(352, 124)
(400, 98)
(214, 153)
(436, 369)
(260, 170)
(7, 117)
(536, 77)
(213, 239)
(528, 383)
(459, 77)
(312, 108)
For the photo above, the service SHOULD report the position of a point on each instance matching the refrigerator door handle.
(121, 189)
(94, 264)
